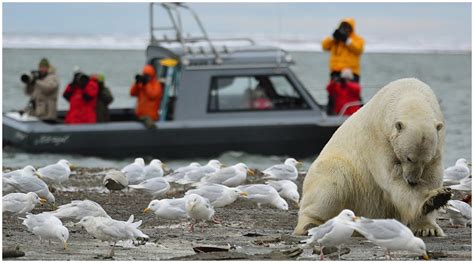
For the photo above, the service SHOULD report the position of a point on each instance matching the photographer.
(343, 90)
(346, 47)
(42, 86)
(82, 95)
(149, 92)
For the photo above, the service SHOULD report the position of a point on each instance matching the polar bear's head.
(415, 144)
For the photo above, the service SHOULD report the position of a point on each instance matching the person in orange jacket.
(346, 47)
(149, 92)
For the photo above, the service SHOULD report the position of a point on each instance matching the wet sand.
(247, 232)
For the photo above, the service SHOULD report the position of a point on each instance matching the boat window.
(254, 93)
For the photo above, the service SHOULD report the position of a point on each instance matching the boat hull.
(176, 140)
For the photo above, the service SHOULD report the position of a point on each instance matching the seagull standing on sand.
(156, 187)
(286, 189)
(218, 195)
(154, 169)
(78, 209)
(454, 174)
(55, 174)
(199, 209)
(263, 194)
(390, 234)
(20, 203)
(135, 172)
(108, 229)
(459, 212)
(332, 233)
(47, 227)
(285, 171)
(230, 176)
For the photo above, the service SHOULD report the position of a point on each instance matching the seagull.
(46, 226)
(135, 171)
(459, 212)
(169, 209)
(155, 186)
(196, 174)
(465, 185)
(25, 183)
(332, 233)
(286, 189)
(285, 171)
(452, 175)
(114, 180)
(218, 195)
(108, 229)
(55, 174)
(199, 209)
(181, 171)
(78, 209)
(20, 203)
(264, 194)
(230, 176)
(390, 234)
(154, 169)
(27, 170)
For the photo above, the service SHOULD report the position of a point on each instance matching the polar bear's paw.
(428, 230)
(439, 198)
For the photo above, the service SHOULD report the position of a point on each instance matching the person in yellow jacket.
(346, 47)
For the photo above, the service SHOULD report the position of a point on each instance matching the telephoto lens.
(25, 78)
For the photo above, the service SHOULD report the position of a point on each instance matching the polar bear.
(385, 161)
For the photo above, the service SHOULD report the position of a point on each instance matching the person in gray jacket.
(42, 86)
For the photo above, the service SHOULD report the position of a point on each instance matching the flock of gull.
(208, 187)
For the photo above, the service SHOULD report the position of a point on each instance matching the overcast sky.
(381, 20)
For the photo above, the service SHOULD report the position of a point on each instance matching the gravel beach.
(245, 232)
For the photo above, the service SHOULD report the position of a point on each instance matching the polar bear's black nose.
(412, 183)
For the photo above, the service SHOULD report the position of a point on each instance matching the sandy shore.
(248, 233)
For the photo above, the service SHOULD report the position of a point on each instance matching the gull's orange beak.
(65, 246)
(250, 172)
(426, 257)
(146, 210)
(354, 218)
(244, 194)
(43, 201)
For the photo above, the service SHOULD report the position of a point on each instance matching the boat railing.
(348, 105)
(175, 15)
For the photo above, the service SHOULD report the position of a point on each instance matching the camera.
(81, 79)
(340, 34)
(30, 78)
(142, 78)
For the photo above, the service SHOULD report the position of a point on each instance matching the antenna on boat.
(278, 54)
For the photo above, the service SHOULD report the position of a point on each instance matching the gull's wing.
(382, 229)
(53, 171)
(220, 175)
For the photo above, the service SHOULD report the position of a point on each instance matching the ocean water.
(449, 75)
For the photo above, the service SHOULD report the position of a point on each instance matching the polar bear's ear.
(439, 125)
(399, 125)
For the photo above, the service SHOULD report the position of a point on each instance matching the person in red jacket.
(149, 92)
(82, 96)
(343, 92)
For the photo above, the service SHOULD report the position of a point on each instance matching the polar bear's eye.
(409, 160)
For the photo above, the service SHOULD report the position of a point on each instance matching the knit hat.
(44, 63)
(347, 74)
